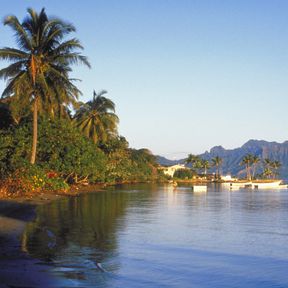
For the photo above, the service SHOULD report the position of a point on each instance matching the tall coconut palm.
(247, 161)
(39, 71)
(267, 170)
(217, 162)
(254, 162)
(97, 118)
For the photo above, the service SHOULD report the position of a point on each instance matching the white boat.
(258, 184)
(240, 184)
(267, 184)
(199, 188)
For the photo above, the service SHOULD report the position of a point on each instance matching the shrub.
(31, 179)
(184, 174)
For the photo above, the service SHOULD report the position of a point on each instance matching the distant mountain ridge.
(232, 157)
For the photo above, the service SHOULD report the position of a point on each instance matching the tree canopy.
(38, 73)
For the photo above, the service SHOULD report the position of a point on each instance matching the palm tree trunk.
(248, 172)
(35, 131)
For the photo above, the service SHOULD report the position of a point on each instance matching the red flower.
(51, 174)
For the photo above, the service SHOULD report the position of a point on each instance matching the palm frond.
(14, 85)
(21, 35)
(55, 30)
(72, 58)
(67, 47)
(42, 64)
(12, 54)
(12, 70)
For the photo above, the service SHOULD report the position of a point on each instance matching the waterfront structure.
(170, 170)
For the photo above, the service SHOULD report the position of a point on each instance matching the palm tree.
(96, 118)
(217, 162)
(271, 167)
(205, 165)
(246, 161)
(267, 162)
(254, 161)
(267, 173)
(275, 165)
(195, 161)
(39, 71)
(191, 159)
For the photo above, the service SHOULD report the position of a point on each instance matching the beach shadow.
(17, 210)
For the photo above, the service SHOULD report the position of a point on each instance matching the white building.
(228, 178)
(171, 169)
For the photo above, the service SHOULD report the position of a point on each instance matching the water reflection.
(86, 221)
(139, 236)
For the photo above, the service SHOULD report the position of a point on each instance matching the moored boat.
(240, 184)
(199, 188)
(258, 184)
(267, 184)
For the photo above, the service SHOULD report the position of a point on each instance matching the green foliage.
(271, 168)
(5, 116)
(198, 164)
(62, 148)
(15, 145)
(41, 65)
(39, 179)
(184, 174)
(217, 162)
(96, 118)
(38, 72)
(125, 164)
(38, 77)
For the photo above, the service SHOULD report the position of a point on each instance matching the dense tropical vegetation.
(74, 142)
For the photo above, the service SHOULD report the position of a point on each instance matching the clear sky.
(185, 75)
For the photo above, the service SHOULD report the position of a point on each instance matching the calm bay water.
(160, 236)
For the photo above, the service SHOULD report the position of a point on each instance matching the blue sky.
(185, 75)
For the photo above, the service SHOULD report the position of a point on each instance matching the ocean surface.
(161, 236)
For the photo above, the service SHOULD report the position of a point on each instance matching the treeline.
(48, 138)
(253, 165)
(66, 156)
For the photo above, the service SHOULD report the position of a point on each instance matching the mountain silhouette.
(232, 157)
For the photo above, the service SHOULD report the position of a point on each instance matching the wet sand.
(17, 269)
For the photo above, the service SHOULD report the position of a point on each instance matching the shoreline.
(17, 268)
